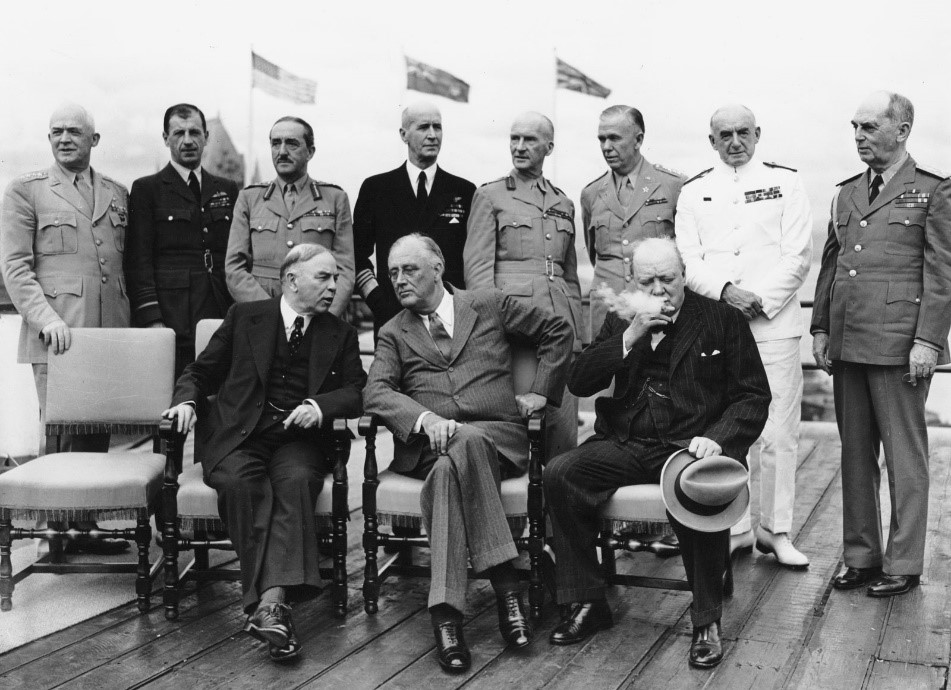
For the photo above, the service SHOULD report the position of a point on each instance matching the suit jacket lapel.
(609, 196)
(418, 339)
(324, 346)
(688, 326)
(261, 337)
(435, 203)
(465, 319)
(859, 196)
(306, 200)
(896, 185)
(102, 194)
(645, 187)
(175, 183)
(64, 189)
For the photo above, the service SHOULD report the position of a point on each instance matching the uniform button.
(170, 217)
(104, 279)
(625, 242)
(549, 257)
(290, 225)
(455, 397)
(202, 209)
(852, 273)
(736, 252)
(736, 178)
(244, 431)
(290, 243)
(627, 278)
(54, 292)
(451, 369)
(544, 216)
(98, 241)
(858, 247)
(625, 225)
(551, 279)
(257, 404)
(102, 261)
(95, 223)
(864, 223)
(56, 222)
(548, 236)
(658, 217)
(274, 417)
(907, 222)
(917, 300)
(204, 229)
(627, 259)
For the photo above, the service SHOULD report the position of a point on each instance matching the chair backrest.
(204, 329)
(117, 376)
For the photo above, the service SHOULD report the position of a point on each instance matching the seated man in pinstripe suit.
(441, 381)
(688, 377)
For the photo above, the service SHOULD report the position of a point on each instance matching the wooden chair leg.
(143, 583)
(608, 560)
(340, 517)
(56, 542)
(6, 565)
(170, 537)
(201, 553)
(371, 575)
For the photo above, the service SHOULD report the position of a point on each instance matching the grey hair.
(658, 244)
(900, 109)
(633, 115)
(428, 243)
(301, 254)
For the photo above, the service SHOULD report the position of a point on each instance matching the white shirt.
(888, 173)
(446, 314)
(414, 172)
(750, 226)
(185, 172)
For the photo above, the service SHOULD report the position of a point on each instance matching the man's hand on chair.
(530, 402)
(186, 416)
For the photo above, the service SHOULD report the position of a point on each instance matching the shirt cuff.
(417, 427)
(320, 414)
(919, 341)
(189, 402)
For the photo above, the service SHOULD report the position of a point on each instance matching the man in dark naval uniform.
(178, 233)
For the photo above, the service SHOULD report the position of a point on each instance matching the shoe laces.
(512, 605)
(449, 630)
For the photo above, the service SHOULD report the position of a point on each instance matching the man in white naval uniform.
(745, 231)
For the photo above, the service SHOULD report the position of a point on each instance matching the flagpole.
(249, 157)
(554, 115)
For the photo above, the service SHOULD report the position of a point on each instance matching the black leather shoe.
(288, 651)
(853, 578)
(270, 623)
(513, 624)
(584, 618)
(893, 585)
(451, 647)
(97, 547)
(706, 650)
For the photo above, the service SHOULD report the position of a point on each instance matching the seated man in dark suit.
(441, 381)
(278, 368)
(687, 377)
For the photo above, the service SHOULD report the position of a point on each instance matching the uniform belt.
(546, 267)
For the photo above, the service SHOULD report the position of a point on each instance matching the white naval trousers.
(777, 449)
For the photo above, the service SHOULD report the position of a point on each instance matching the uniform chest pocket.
(57, 233)
(264, 239)
(218, 215)
(318, 229)
(510, 242)
(606, 240)
(173, 215)
(559, 236)
(658, 221)
(119, 223)
(906, 232)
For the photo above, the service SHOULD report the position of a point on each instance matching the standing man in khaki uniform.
(272, 217)
(62, 236)
(633, 200)
(521, 239)
(880, 325)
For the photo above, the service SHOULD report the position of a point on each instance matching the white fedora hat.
(706, 494)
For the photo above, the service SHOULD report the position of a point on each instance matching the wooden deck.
(782, 628)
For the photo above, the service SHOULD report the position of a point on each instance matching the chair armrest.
(170, 442)
(368, 425)
(536, 425)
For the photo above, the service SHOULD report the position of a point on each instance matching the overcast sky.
(802, 67)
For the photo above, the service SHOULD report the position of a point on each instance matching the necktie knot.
(875, 187)
(194, 186)
(297, 335)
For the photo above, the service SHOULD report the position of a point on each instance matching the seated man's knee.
(555, 473)
(234, 477)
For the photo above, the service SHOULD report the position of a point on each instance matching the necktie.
(290, 197)
(194, 186)
(422, 196)
(440, 335)
(85, 191)
(875, 188)
(297, 335)
(625, 193)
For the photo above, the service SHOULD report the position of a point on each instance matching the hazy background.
(802, 67)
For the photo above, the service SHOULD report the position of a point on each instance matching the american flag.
(281, 83)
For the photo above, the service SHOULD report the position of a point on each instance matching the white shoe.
(782, 548)
(741, 543)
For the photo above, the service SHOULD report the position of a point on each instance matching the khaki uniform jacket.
(885, 279)
(523, 243)
(263, 231)
(58, 261)
(610, 230)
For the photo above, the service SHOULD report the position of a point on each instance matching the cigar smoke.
(628, 304)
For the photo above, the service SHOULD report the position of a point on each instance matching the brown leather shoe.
(853, 578)
(514, 626)
(706, 650)
(893, 585)
(270, 623)
(451, 648)
(584, 619)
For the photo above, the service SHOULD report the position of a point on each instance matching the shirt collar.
(71, 176)
(414, 172)
(531, 183)
(184, 172)
(299, 184)
(445, 312)
(740, 171)
(890, 171)
(616, 179)
(288, 315)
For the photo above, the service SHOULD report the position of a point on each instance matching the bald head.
(882, 124)
(421, 131)
(531, 139)
(734, 134)
(72, 135)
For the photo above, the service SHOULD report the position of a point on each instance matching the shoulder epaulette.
(932, 172)
(698, 176)
(258, 184)
(272, 185)
(777, 165)
(37, 175)
(117, 184)
(598, 179)
(508, 179)
(678, 175)
(850, 179)
(327, 184)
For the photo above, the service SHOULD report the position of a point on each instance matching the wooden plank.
(898, 675)
(668, 668)
(917, 630)
(938, 546)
